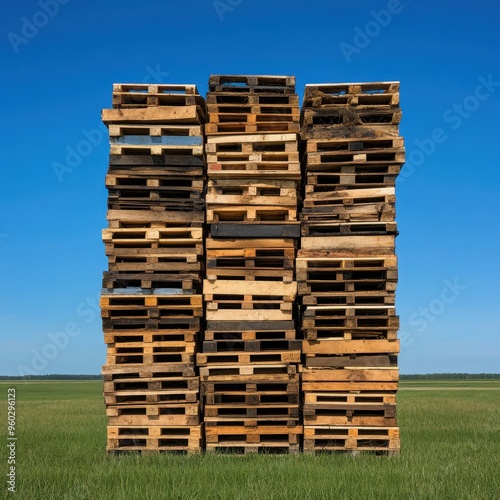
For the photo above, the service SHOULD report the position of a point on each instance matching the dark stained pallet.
(329, 130)
(150, 358)
(182, 163)
(179, 322)
(312, 228)
(240, 98)
(353, 362)
(252, 83)
(367, 116)
(247, 385)
(255, 230)
(257, 325)
(232, 344)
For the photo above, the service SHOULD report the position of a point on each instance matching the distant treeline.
(52, 377)
(425, 376)
(451, 376)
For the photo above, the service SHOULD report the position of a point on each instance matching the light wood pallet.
(155, 438)
(251, 359)
(166, 414)
(322, 438)
(172, 115)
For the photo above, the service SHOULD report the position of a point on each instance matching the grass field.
(450, 434)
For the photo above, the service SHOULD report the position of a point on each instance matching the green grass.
(450, 450)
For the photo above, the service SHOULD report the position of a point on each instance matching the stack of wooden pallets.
(248, 366)
(347, 268)
(151, 300)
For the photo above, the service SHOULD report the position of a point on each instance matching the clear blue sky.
(58, 69)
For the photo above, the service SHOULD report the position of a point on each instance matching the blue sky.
(61, 57)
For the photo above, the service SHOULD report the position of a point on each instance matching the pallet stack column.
(248, 366)
(151, 299)
(347, 267)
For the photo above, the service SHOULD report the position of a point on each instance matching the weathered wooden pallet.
(250, 98)
(117, 373)
(170, 164)
(285, 291)
(351, 245)
(244, 213)
(332, 298)
(151, 149)
(361, 361)
(128, 99)
(154, 414)
(190, 115)
(247, 385)
(354, 368)
(349, 177)
(140, 237)
(257, 325)
(150, 337)
(130, 396)
(313, 228)
(330, 130)
(156, 88)
(237, 448)
(177, 322)
(252, 192)
(234, 372)
(253, 143)
(232, 344)
(340, 146)
(144, 217)
(221, 304)
(324, 350)
(134, 301)
(344, 116)
(148, 358)
(249, 358)
(352, 94)
(321, 438)
(234, 410)
(276, 169)
(251, 127)
(128, 385)
(252, 83)
(155, 438)
(182, 260)
(248, 336)
(345, 333)
(166, 199)
(256, 229)
(223, 112)
(147, 283)
(241, 398)
(157, 130)
(165, 346)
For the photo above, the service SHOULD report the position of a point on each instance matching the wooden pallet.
(172, 115)
(155, 438)
(248, 336)
(324, 348)
(148, 358)
(131, 100)
(313, 228)
(263, 435)
(347, 245)
(174, 396)
(254, 169)
(244, 128)
(171, 163)
(189, 132)
(151, 149)
(232, 344)
(361, 361)
(256, 230)
(246, 385)
(244, 213)
(141, 338)
(378, 378)
(257, 372)
(252, 83)
(147, 217)
(241, 398)
(321, 438)
(345, 333)
(340, 117)
(250, 314)
(154, 414)
(352, 94)
(175, 236)
(177, 322)
(240, 411)
(116, 373)
(335, 298)
(181, 260)
(314, 161)
(339, 177)
(249, 358)
(129, 385)
(339, 146)
(256, 325)
(226, 112)
(161, 283)
(251, 98)
(283, 291)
